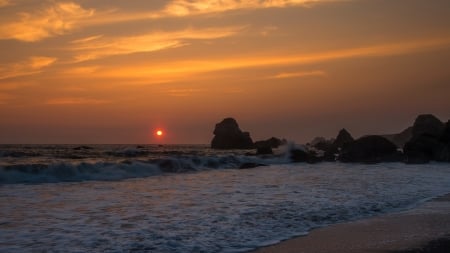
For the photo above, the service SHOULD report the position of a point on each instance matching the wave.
(36, 173)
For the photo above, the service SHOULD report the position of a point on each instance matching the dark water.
(188, 198)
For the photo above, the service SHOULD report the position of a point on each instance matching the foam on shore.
(406, 231)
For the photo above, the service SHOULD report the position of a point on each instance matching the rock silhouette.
(265, 147)
(342, 139)
(228, 135)
(401, 138)
(299, 155)
(272, 142)
(427, 124)
(429, 141)
(369, 149)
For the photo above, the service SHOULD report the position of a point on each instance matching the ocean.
(188, 198)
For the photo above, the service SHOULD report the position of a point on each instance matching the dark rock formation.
(320, 143)
(430, 141)
(444, 153)
(228, 135)
(422, 149)
(251, 165)
(427, 124)
(342, 139)
(82, 148)
(401, 138)
(264, 150)
(299, 155)
(272, 143)
(445, 137)
(369, 149)
(265, 147)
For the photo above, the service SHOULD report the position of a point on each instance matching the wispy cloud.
(298, 74)
(32, 65)
(57, 19)
(182, 8)
(4, 3)
(265, 31)
(60, 18)
(182, 92)
(182, 69)
(186, 8)
(75, 101)
(101, 46)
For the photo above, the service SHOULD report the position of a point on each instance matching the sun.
(159, 133)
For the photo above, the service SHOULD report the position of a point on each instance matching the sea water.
(115, 198)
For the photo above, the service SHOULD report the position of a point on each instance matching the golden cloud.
(100, 46)
(75, 101)
(185, 69)
(57, 19)
(4, 3)
(182, 92)
(32, 65)
(186, 7)
(298, 74)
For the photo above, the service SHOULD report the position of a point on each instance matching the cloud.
(4, 3)
(186, 8)
(182, 92)
(54, 20)
(32, 65)
(267, 30)
(75, 101)
(298, 74)
(100, 46)
(180, 8)
(184, 69)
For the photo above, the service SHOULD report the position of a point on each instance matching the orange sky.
(113, 71)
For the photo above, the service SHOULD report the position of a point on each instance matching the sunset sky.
(114, 71)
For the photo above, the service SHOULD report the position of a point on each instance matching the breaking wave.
(107, 171)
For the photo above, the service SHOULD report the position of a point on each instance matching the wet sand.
(399, 232)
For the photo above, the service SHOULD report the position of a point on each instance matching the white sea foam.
(206, 211)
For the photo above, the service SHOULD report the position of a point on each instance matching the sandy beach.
(426, 226)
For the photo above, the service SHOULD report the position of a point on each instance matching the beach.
(425, 228)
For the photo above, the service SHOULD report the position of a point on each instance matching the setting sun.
(159, 133)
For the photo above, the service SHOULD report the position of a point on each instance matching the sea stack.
(429, 141)
(228, 135)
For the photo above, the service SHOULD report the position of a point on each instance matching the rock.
(228, 135)
(430, 141)
(422, 149)
(443, 155)
(299, 155)
(265, 147)
(445, 137)
(272, 143)
(264, 150)
(369, 149)
(401, 138)
(82, 148)
(251, 165)
(320, 143)
(343, 138)
(427, 124)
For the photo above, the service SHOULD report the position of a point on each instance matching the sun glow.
(159, 133)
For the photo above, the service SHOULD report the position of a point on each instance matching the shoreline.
(425, 226)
